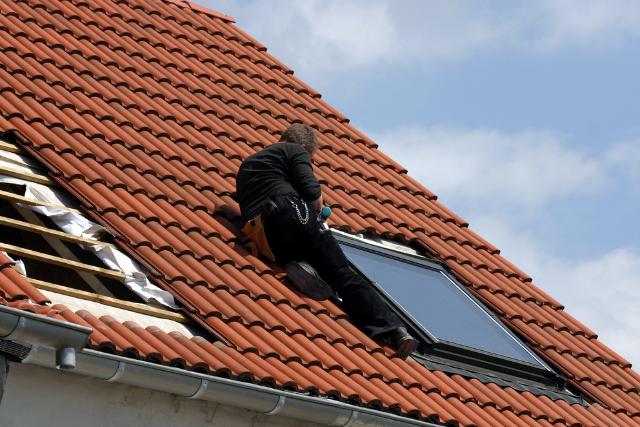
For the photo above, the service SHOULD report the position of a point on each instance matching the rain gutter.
(46, 340)
(63, 339)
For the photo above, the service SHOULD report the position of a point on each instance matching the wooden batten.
(28, 176)
(27, 201)
(53, 233)
(39, 256)
(113, 302)
(12, 148)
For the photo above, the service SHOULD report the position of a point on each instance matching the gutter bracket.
(116, 376)
(201, 390)
(352, 419)
(17, 330)
(278, 407)
(32, 353)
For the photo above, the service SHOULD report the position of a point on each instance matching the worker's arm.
(317, 203)
(302, 177)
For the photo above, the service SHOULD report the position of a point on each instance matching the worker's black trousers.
(291, 240)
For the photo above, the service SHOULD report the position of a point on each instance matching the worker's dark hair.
(301, 134)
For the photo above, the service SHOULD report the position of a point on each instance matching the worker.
(280, 199)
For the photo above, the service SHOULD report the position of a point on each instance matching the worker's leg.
(360, 300)
(291, 240)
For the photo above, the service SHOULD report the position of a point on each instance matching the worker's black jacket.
(283, 168)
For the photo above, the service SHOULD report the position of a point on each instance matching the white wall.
(36, 396)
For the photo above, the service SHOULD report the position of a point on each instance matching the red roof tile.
(144, 109)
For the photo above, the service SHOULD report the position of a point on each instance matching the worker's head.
(302, 135)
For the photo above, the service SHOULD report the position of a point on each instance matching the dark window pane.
(438, 304)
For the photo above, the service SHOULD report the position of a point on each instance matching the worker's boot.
(401, 341)
(307, 279)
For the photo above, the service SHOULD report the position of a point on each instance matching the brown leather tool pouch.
(255, 240)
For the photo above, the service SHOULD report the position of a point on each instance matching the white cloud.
(437, 30)
(347, 34)
(325, 38)
(625, 156)
(591, 23)
(525, 169)
(315, 36)
(602, 292)
(321, 37)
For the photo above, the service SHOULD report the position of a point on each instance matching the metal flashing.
(521, 386)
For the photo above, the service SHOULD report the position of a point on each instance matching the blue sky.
(524, 119)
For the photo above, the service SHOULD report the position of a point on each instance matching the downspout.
(50, 343)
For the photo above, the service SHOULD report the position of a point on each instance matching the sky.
(523, 117)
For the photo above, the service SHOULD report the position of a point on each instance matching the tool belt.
(254, 238)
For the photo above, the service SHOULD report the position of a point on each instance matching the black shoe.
(402, 342)
(306, 279)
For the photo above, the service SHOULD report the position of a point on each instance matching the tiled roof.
(144, 109)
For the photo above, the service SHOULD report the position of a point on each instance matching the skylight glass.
(437, 303)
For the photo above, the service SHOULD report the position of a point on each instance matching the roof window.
(453, 327)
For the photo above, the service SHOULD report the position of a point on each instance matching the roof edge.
(185, 4)
(192, 385)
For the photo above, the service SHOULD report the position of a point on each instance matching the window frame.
(437, 350)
